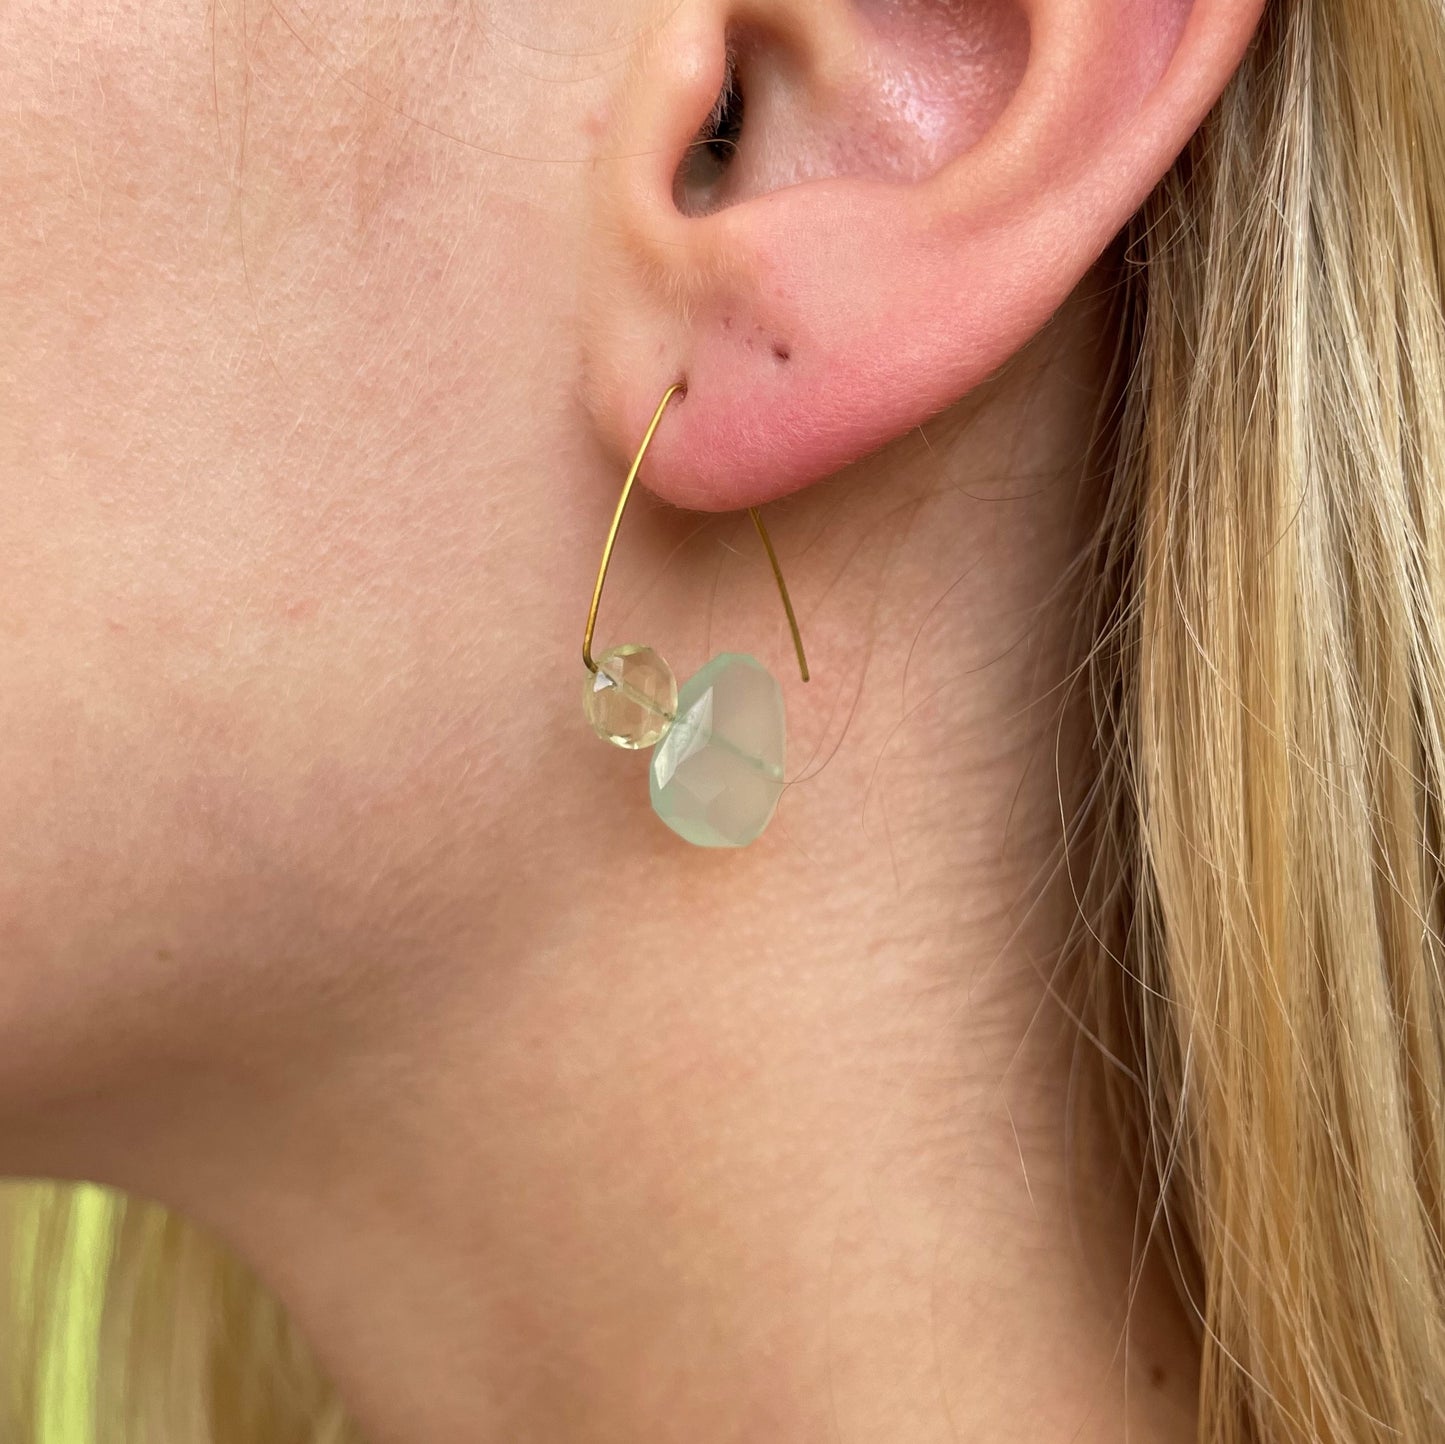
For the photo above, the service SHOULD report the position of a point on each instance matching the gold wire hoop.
(617, 522)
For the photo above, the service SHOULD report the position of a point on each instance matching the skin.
(325, 918)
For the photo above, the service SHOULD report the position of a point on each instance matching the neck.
(769, 1145)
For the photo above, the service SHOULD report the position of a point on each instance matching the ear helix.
(719, 742)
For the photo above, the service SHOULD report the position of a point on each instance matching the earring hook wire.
(617, 523)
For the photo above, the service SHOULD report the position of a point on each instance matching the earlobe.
(888, 233)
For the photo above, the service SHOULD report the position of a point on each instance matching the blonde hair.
(1262, 906)
(1269, 880)
(126, 1324)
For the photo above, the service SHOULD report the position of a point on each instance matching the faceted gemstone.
(632, 697)
(717, 775)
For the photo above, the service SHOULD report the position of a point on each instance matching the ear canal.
(899, 89)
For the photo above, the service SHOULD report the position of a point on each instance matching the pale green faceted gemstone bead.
(717, 775)
(632, 697)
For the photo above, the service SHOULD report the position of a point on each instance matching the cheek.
(287, 350)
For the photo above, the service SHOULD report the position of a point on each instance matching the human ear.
(892, 197)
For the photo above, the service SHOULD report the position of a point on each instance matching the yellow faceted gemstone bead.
(631, 700)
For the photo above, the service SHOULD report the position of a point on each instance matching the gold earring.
(718, 744)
